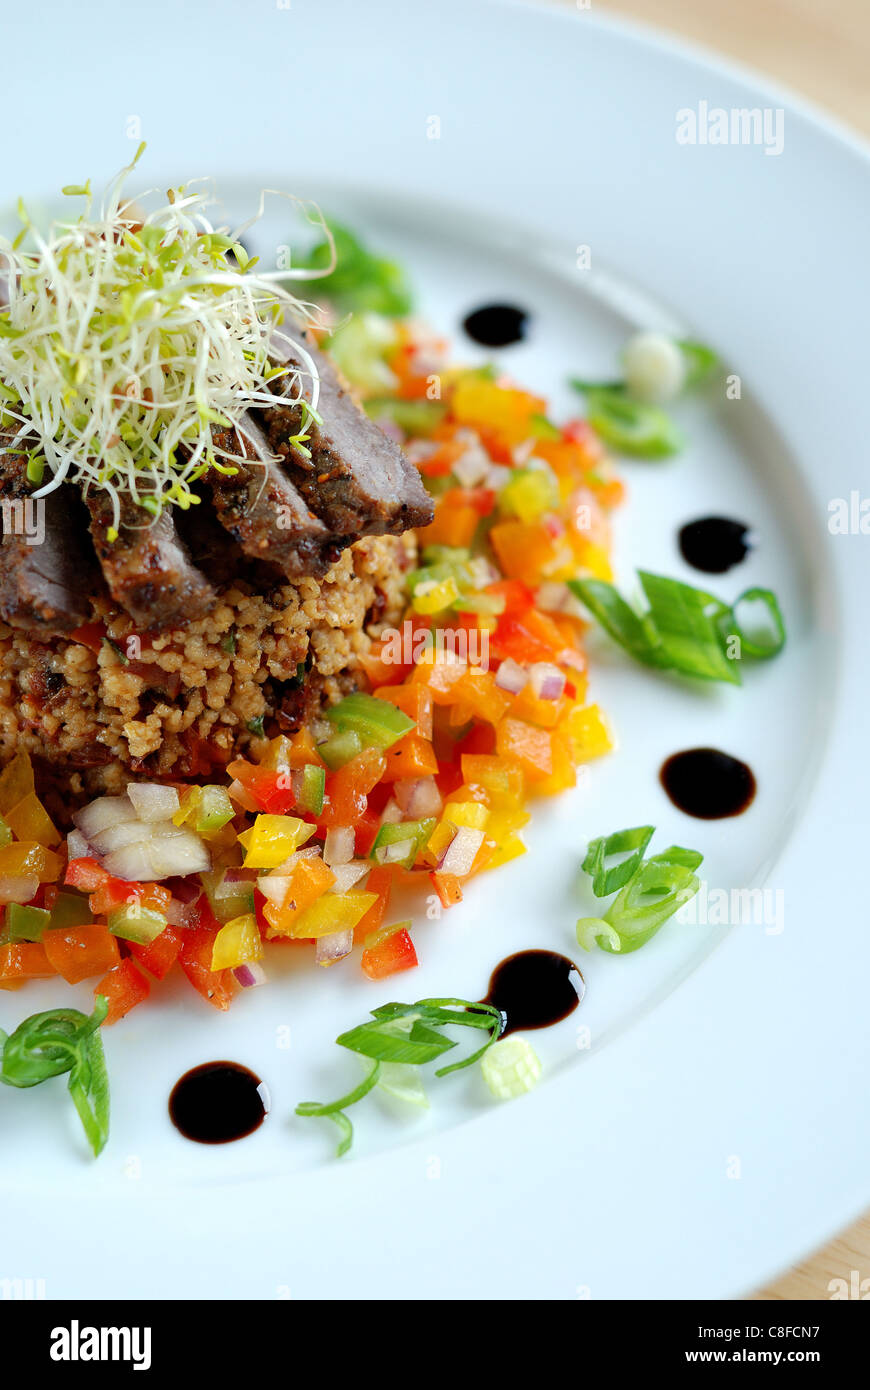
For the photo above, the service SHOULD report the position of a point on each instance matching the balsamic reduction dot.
(496, 325)
(218, 1102)
(714, 544)
(534, 989)
(708, 784)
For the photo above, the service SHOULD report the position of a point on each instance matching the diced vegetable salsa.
(423, 776)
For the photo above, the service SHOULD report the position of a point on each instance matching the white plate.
(714, 1128)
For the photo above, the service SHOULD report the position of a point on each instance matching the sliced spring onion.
(629, 426)
(606, 880)
(655, 889)
(684, 629)
(701, 361)
(64, 1041)
(511, 1067)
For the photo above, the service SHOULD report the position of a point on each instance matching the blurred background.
(821, 49)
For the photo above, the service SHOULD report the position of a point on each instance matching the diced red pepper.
(272, 791)
(159, 955)
(116, 892)
(395, 954)
(86, 874)
(379, 881)
(195, 955)
(347, 789)
(124, 988)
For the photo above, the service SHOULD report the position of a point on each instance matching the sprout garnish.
(128, 335)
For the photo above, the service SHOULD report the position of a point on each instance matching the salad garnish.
(58, 1042)
(684, 629)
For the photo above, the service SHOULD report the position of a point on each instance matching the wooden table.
(821, 48)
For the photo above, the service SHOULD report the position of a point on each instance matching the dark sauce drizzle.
(218, 1102)
(496, 325)
(707, 783)
(534, 989)
(714, 544)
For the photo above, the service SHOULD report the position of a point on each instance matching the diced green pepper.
(214, 809)
(136, 923)
(340, 748)
(312, 790)
(416, 832)
(70, 910)
(26, 923)
(377, 723)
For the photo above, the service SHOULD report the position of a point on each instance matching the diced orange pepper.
(527, 551)
(28, 857)
(24, 960)
(347, 789)
(309, 880)
(453, 524)
(448, 887)
(124, 988)
(79, 953)
(413, 700)
(564, 772)
(531, 747)
(412, 756)
(380, 671)
(395, 954)
(545, 713)
(492, 407)
(379, 881)
(440, 675)
(477, 691)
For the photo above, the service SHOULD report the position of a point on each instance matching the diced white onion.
(472, 466)
(153, 802)
(548, 682)
(133, 863)
(418, 797)
(511, 676)
(392, 812)
(179, 855)
(117, 836)
(329, 949)
(339, 845)
(462, 851)
(77, 846)
(100, 814)
(395, 853)
(346, 875)
(274, 887)
(19, 889)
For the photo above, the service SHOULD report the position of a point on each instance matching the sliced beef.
(356, 479)
(148, 568)
(47, 579)
(262, 510)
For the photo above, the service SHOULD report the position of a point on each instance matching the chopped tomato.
(395, 954)
(124, 988)
(79, 953)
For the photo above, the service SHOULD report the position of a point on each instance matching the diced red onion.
(335, 946)
(511, 677)
(19, 889)
(239, 875)
(394, 853)
(462, 851)
(186, 890)
(339, 845)
(548, 682)
(77, 846)
(250, 974)
(152, 801)
(179, 914)
(100, 814)
(346, 875)
(418, 797)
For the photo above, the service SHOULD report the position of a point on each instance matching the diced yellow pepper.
(472, 813)
(25, 857)
(29, 820)
(333, 912)
(587, 732)
(591, 557)
(433, 596)
(529, 494)
(500, 776)
(440, 838)
(237, 943)
(16, 782)
(272, 839)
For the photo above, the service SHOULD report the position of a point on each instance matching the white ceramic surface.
(713, 1051)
